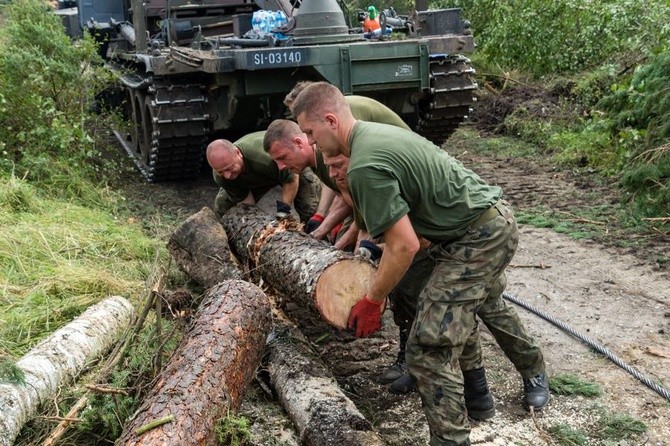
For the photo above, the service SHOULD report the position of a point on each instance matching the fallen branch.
(661, 219)
(106, 389)
(147, 427)
(540, 266)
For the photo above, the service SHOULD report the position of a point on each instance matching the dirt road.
(619, 296)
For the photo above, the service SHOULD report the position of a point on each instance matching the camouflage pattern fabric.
(466, 272)
(501, 320)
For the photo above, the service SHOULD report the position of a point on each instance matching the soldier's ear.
(331, 120)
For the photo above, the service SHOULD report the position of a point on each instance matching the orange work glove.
(365, 317)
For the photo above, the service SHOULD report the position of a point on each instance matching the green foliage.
(568, 384)
(644, 104)
(232, 430)
(564, 435)
(10, 373)
(46, 85)
(620, 426)
(564, 35)
(638, 121)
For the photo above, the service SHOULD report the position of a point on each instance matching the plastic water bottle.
(270, 20)
(259, 22)
(256, 22)
(280, 19)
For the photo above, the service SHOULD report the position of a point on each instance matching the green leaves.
(47, 83)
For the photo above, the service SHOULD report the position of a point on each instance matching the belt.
(486, 216)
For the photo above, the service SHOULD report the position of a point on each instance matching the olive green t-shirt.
(367, 109)
(260, 170)
(440, 196)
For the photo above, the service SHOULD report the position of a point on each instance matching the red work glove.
(314, 223)
(365, 317)
(335, 231)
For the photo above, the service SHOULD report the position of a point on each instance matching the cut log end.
(339, 287)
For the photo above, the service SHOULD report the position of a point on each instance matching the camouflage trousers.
(306, 201)
(459, 280)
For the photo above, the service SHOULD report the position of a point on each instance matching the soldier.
(245, 173)
(366, 109)
(287, 145)
(405, 188)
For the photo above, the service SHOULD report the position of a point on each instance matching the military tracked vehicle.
(193, 70)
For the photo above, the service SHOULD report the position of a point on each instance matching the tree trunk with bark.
(209, 371)
(310, 272)
(321, 412)
(58, 359)
(200, 248)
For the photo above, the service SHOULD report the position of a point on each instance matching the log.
(208, 372)
(308, 271)
(58, 359)
(322, 414)
(200, 248)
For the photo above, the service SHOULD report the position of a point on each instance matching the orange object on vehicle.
(371, 22)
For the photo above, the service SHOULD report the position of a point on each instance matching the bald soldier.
(245, 173)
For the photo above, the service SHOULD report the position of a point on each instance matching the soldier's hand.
(313, 223)
(283, 210)
(365, 317)
(369, 250)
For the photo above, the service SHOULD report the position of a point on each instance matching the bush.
(564, 35)
(46, 85)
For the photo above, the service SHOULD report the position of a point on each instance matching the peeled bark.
(308, 271)
(200, 247)
(58, 359)
(209, 371)
(321, 412)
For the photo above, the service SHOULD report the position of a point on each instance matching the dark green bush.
(47, 82)
(560, 36)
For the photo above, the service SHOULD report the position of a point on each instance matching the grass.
(57, 258)
(233, 430)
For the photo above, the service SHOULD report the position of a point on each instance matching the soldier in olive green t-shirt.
(245, 173)
(406, 188)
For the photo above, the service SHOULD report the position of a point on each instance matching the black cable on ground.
(592, 343)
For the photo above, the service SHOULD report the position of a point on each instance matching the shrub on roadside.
(46, 85)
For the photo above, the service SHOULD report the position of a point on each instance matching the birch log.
(296, 265)
(200, 248)
(209, 371)
(322, 414)
(58, 359)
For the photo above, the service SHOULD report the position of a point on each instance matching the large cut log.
(309, 271)
(200, 248)
(321, 412)
(209, 371)
(58, 359)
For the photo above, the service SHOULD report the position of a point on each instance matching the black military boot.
(396, 370)
(402, 385)
(536, 392)
(397, 375)
(478, 399)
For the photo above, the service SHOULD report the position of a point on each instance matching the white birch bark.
(58, 359)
